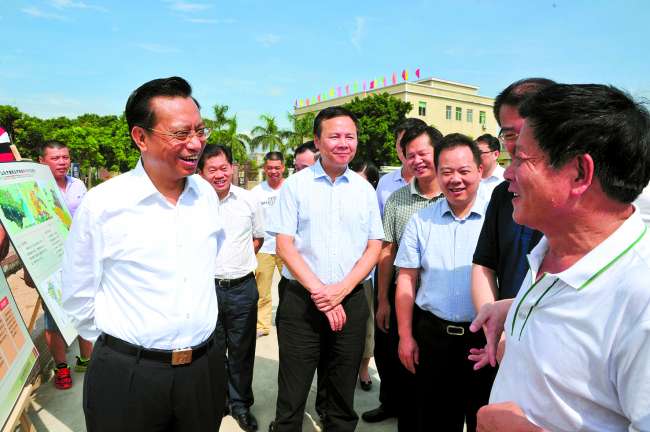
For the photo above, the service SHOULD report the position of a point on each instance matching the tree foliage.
(268, 136)
(378, 116)
(224, 132)
(302, 129)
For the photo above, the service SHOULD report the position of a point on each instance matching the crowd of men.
(169, 273)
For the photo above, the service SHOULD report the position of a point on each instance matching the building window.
(459, 113)
(481, 117)
(448, 112)
(422, 108)
(470, 116)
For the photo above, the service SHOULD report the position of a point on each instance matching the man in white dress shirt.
(490, 149)
(138, 276)
(328, 234)
(578, 332)
(235, 280)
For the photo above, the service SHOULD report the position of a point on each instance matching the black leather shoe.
(378, 414)
(246, 421)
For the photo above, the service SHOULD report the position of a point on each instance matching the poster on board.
(34, 214)
(17, 352)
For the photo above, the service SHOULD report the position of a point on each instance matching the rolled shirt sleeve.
(284, 215)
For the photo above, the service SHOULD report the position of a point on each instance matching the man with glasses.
(578, 332)
(138, 276)
(490, 148)
(499, 263)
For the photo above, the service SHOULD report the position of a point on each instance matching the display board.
(17, 352)
(34, 214)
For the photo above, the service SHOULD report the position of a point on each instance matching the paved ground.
(60, 411)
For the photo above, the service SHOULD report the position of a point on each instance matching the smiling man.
(267, 260)
(328, 232)
(235, 280)
(138, 276)
(436, 253)
(578, 332)
(418, 143)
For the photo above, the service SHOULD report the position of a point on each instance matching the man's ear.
(139, 135)
(583, 173)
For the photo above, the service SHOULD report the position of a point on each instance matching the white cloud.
(276, 91)
(210, 20)
(182, 6)
(268, 39)
(157, 48)
(39, 13)
(71, 4)
(359, 32)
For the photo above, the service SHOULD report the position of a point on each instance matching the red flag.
(307, 101)
(347, 89)
(394, 78)
(372, 84)
(318, 97)
(405, 75)
(417, 72)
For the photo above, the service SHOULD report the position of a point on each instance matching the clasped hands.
(327, 299)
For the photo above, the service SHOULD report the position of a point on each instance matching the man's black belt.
(173, 357)
(226, 283)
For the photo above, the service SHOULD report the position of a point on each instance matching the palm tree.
(224, 132)
(268, 136)
(302, 129)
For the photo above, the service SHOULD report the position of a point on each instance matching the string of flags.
(353, 88)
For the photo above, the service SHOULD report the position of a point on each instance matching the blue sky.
(68, 57)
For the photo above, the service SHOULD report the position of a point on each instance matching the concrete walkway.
(60, 411)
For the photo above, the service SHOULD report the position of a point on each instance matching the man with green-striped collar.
(578, 332)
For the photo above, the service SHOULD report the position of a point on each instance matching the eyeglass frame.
(502, 133)
(191, 133)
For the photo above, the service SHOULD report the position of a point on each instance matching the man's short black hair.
(454, 140)
(599, 120)
(138, 110)
(274, 155)
(330, 113)
(517, 92)
(415, 131)
(368, 168)
(306, 146)
(408, 123)
(491, 141)
(212, 150)
(53, 144)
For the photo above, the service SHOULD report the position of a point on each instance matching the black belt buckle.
(226, 283)
(455, 330)
(181, 356)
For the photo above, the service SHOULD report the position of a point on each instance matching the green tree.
(8, 115)
(269, 137)
(302, 129)
(378, 116)
(224, 132)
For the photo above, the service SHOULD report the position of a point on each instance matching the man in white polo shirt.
(234, 279)
(578, 332)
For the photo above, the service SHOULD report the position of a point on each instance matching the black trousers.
(125, 393)
(304, 339)
(449, 391)
(236, 332)
(397, 383)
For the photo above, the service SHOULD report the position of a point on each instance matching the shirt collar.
(478, 208)
(319, 172)
(413, 188)
(598, 260)
(143, 187)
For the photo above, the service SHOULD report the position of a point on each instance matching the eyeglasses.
(508, 136)
(185, 135)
